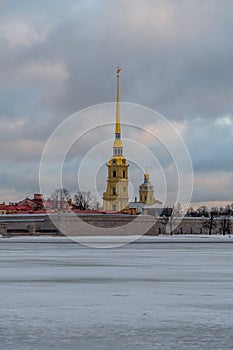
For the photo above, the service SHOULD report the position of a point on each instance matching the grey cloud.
(19, 178)
(210, 145)
(176, 58)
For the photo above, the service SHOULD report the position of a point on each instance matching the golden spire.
(118, 118)
(117, 146)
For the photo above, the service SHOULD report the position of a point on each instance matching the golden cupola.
(146, 191)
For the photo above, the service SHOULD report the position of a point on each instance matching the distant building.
(25, 206)
(146, 191)
(147, 204)
(156, 210)
(35, 204)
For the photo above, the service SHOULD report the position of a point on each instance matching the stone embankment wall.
(19, 225)
(72, 225)
(199, 225)
(106, 224)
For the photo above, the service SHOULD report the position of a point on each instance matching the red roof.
(23, 207)
(10, 207)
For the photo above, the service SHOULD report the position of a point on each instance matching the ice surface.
(55, 294)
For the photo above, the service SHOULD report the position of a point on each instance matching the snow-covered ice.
(55, 294)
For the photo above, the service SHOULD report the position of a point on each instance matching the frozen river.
(61, 295)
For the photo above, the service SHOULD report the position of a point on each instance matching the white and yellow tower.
(116, 196)
(146, 191)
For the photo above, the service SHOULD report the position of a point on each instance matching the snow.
(159, 293)
(112, 241)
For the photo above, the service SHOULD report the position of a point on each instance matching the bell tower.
(146, 191)
(116, 196)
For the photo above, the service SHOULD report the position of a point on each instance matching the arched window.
(114, 173)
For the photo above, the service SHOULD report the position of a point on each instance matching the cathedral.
(116, 197)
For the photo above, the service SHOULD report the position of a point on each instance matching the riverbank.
(108, 225)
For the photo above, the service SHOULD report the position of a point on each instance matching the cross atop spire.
(146, 175)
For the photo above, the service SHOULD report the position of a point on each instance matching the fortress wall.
(190, 226)
(3, 229)
(30, 224)
(106, 224)
(70, 224)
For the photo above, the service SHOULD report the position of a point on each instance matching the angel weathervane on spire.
(118, 71)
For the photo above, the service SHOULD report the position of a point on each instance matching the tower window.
(114, 207)
(123, 173)
(114, 191)
(114, 173)
(145, 198)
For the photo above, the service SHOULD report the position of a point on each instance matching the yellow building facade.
(116, 196)
(146, 191)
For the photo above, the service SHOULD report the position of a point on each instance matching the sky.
(59, 57)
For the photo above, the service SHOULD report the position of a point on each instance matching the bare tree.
(215, 210)
(210, 223)
(203, 211)
(190, 211)
(174, 218)
(228, 210)
(225, 226)
(59, 197)
(85, 200)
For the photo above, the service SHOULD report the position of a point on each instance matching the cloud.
(19, 34)
(9, 129)
(213, 186)
(20, 179)
(59, 57)
(209, 143)
(42, 71)
(21, 150)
